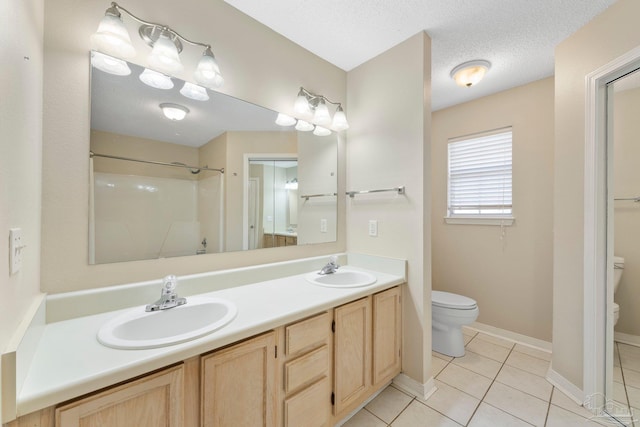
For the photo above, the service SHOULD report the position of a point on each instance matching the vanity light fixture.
(109, 64)
(470, 73)
(155, 79)
(314, 114)
(195, 92)
(174, 112)
(113, 39)
(291, 185)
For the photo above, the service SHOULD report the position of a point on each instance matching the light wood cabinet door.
(309, 408)
(238, 384)
(152, 401)
(387, 335)
(352, 353)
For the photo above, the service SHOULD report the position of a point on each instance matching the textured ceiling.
(517, 36)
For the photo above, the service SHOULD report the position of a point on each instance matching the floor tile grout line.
(400, 413)
(546, 418)
(491, 385)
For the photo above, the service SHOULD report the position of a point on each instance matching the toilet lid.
(449, 300)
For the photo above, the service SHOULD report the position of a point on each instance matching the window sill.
(474, 220)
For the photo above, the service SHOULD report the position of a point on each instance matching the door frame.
(598, 297)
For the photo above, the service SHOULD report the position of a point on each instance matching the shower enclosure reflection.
(165, 188)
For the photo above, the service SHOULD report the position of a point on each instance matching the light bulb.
(320, 131)
(194, 92)
(164, 55)
(109, 64)
(112, 37)
(340, 120)
(301, 105)
(321, 115)
(155, 79)
(208, 72)
(304, 126)
(284, 120)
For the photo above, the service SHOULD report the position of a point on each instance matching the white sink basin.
(138, 329)
(342, 279)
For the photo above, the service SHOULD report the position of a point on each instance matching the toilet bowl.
(449, 313)
(618, 268)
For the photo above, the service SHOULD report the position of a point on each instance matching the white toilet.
(449, 313)
(618, 268)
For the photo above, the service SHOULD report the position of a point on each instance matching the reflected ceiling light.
(109, 64)
(320, 131)
(155, 79)
(174, 111)
(470, 73)
(284, 120)
(309, 104)
(194, 92)
(304, 126)
(112, 38)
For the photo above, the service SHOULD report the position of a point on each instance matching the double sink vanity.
(272, 345)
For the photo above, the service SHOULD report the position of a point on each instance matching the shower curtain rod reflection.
(175, 165)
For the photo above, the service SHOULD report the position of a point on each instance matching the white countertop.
(69, 361)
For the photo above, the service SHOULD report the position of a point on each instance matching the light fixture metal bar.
(312, 96)
(108, 156)
(161, 26)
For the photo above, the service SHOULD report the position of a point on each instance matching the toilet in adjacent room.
(618, 268)
(449, 313)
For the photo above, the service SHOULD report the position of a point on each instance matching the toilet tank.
(618, 268)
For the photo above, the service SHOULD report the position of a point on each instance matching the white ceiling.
(518, 37)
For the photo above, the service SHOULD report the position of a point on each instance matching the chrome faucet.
(331, 266)
(168, 296)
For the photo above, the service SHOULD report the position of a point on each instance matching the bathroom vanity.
(295, 354)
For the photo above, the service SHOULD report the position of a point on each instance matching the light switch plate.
(373, 227)
(15, 250)
(323, 225)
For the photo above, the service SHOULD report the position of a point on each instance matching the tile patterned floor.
(496, 383)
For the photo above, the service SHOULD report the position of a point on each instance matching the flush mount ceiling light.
(113, 39)
(470, 73)
(314, 114)
(174, 111)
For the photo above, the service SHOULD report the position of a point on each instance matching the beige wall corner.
(259, 66)
(389, 145)
(508, 271)
(607, 37)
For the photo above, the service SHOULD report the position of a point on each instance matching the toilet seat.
(453, 301)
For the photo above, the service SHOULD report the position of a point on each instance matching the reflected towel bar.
(308, 196)
(151, 162)
(399, 190)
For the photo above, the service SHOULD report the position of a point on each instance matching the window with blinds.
(480, 174)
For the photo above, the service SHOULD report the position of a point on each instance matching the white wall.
(604, 39)
(21, 51)
(510, 274)
(626, 181)
(389, 145)
(259, 66)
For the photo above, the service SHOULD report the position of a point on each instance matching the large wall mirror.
(224, 178)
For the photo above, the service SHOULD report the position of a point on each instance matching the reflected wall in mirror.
(163, 188)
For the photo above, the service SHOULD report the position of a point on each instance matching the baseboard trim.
(627, 338)
(513, 336)
(565, 386)
(413, 387)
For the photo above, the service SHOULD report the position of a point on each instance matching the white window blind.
(480, 175)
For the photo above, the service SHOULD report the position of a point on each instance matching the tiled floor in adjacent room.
(497, 383)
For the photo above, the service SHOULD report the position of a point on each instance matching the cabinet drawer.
(307, 334)
(310, 408)
(306, 369)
